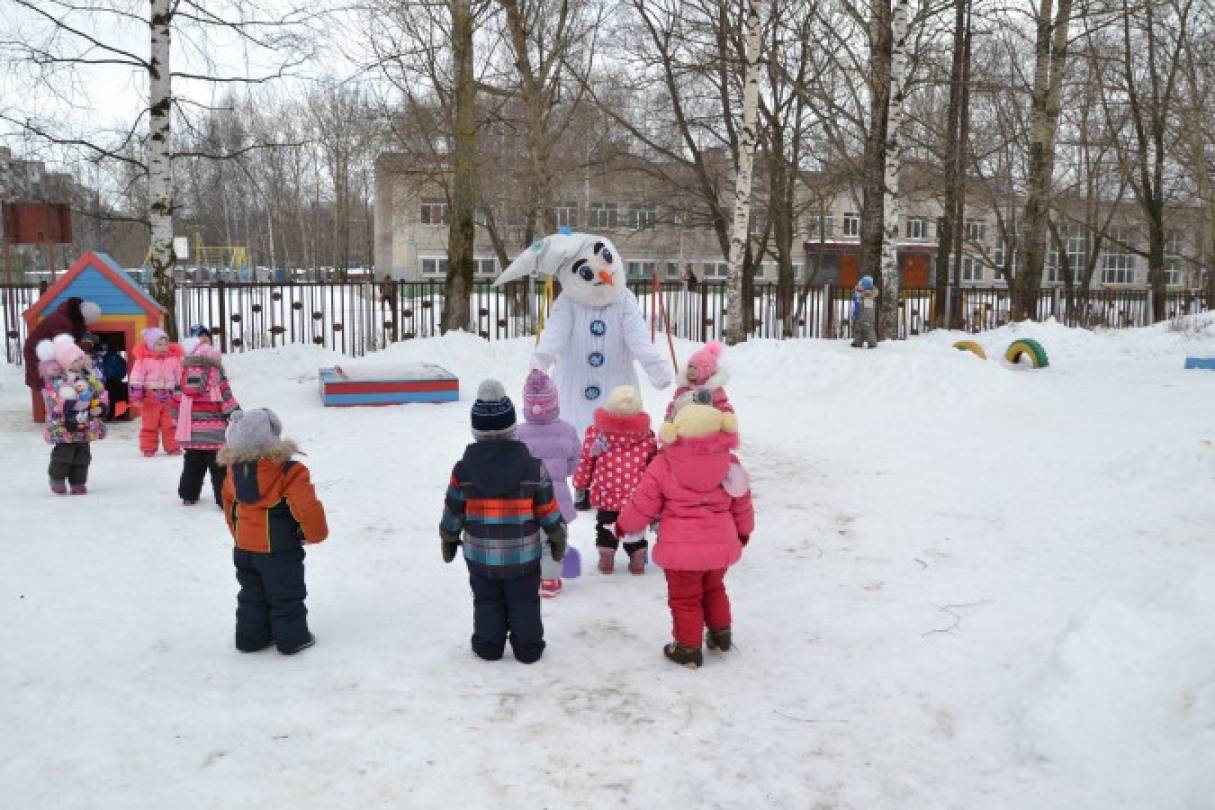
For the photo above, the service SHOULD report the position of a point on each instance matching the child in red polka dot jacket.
(618, 447)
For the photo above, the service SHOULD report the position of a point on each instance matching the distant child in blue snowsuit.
(111, 368)
(864, 314)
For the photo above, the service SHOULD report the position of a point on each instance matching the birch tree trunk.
(892, 205)
(1050, 60)
(736, 331)
(461, 228)
(160, 165)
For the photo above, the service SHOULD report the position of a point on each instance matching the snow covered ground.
(970, 587)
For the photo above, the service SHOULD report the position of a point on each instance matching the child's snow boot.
(690, 657)
(718, 641)
(637, 562)
(607, 559)
(582, 500)
(188, 502)
(308, 642)
(59, 487)
(80, 489)
(550, 588)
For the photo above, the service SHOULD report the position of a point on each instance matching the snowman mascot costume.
(595, 330)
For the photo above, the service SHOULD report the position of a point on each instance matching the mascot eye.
(603, 252)
(583, 270)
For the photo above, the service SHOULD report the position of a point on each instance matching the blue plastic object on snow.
(1200, 362)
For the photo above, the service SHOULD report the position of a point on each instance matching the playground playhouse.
(126, 310)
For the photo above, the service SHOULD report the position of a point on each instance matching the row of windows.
(644, 269)
(601, 215)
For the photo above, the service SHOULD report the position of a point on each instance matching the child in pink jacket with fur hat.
(155, 390)
(703, 381)
(701, 495)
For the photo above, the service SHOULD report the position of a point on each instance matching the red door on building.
(915, 271)
(850, 269)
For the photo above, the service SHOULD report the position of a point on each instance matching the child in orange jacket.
(272, 512)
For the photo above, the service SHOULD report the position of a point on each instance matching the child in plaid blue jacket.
(500, 507)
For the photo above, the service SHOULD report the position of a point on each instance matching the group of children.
(179, 391)
(507, 499)
(186, 406)
(508, 496)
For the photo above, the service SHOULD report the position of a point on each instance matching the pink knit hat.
(151, 335)
(540, 403)
(705, 360)
(63, 350)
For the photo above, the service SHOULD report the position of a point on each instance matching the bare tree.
(72, 39)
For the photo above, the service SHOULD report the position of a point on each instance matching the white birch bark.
(736, 331)
(892, 200)
(160, 165)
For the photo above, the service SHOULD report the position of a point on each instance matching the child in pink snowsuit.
(702, 381)
(702, 498)
(556, 444)
(155, 391)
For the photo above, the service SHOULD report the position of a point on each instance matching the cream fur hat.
(695, 420)
(624, 400)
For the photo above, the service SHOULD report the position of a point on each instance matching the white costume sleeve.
(555, 336)
(637, 338)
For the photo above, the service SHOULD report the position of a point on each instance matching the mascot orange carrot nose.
(606, 276)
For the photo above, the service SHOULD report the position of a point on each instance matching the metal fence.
(359, 316)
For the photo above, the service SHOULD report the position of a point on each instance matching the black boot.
(582, 500)
(690, 657)
(718, 641)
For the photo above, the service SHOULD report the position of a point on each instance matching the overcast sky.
(101, 102)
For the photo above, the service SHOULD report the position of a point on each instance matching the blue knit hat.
(198, 330)
(867, 282)
(493, 414)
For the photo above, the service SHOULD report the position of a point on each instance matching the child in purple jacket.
(557, 444)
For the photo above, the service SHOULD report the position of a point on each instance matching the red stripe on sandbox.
(390, 387)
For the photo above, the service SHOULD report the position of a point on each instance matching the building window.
(972, 268)
(975, 230)
(434, 212)
(852, 224)
(1054, 271)
(566, 215)
(601, 215)
(716, 270)
(917, 227)
(642, 217)
(485, 267)
(481, 217)
(1117, 261)
(1005, 258)
(1174, 264)
(822, 227)
(643, 269)
(434, 268)
(1077, 247)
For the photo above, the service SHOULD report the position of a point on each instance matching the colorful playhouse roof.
(98, 278)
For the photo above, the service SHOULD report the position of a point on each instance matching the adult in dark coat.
(72, 317)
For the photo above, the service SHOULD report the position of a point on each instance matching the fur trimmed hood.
(718, 380)
(279, 451)
(142, 352)
(610, 422)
